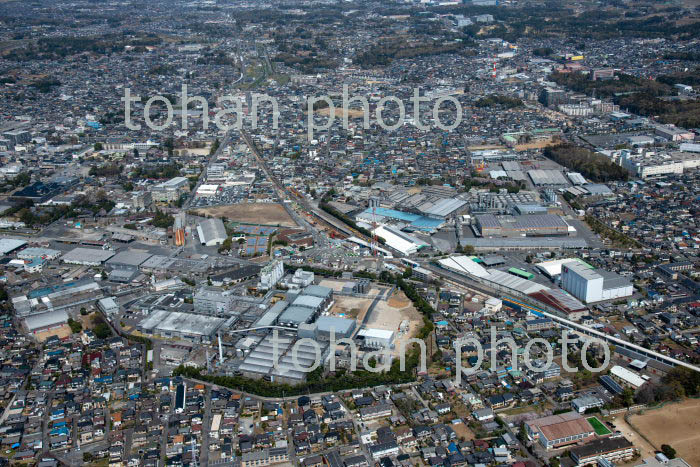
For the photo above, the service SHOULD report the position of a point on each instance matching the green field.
(599, 428)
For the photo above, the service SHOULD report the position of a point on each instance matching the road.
(203, 176)
(206, 425)
(546, 311)
(320, 238)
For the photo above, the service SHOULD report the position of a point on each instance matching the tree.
(75, 326)
(668, 451)
(98, 146)
(408, 272)
(469, 249)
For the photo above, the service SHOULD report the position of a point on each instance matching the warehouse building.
(87, 256)
(399, 241)
(490, 225)
(295, 315)
(563, 302)
(43, 322)
(174, 324)
(375, 338)
(321, 329)
(547, 178)
(128, 260)
(211, 232)
(552, 268)
(590, 286)
(10, 245)
(44, 253)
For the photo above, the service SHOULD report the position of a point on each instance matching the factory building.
(271, 274)
(44, 253)
(87, 256)
(399, 241)
(590, 286)
(211, 232)
(125, 264)
(321, 329)
(10, 245)
(174, 324)
(376, 338)
(212, 301)
(260, 362)
(43, 322)
(646, 164)
(490, 225)
(563, 302)
(295, 315)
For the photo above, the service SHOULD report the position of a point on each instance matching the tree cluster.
(594, 166)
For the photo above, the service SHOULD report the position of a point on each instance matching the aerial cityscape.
(350, 233)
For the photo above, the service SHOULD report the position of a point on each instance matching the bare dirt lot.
(350, 307)
(338, 112)
(60, 332)
(463, 431)
(251, 213)
(389, 315)
(677, 425)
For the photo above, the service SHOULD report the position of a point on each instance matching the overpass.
(517, 299)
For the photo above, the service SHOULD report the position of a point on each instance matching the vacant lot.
(251, 213)
(463, 431)
(389, 315)
(675, 424)
(349, 307)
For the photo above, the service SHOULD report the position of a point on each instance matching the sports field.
(675, 424)
(600, 429)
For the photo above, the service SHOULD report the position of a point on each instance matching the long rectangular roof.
(45, 319)
(87, 255)
(10, 244)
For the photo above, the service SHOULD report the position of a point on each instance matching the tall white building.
(271, 274)
(590, 285)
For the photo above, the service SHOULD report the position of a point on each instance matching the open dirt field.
(675, 424)
(251, 213)
(463, 431)
(338, 112)
(350, 307)
(389, 315)
(60, 332)
(646, 450)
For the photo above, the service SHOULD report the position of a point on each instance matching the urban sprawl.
(250, 233)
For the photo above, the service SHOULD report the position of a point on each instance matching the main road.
(287, 196)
